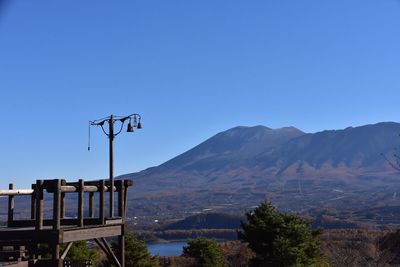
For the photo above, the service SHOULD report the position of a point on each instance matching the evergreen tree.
(279, 239)
(136, 253)
(206, 252)
(80, 253)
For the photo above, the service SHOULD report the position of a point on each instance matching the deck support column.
(10, 216)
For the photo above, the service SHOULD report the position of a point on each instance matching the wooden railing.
(59, 188)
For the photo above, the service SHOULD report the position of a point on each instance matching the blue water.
(166, 249)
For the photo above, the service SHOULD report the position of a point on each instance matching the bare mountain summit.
(238, 168)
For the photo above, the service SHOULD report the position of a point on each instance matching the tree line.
(267, 238)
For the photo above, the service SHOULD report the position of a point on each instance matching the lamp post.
(111, 134)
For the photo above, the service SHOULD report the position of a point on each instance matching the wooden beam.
(73, 188)
(56, 255)
(127, 183)
(80, 203)
(101, 201)
(62, 211)
(121, 249)
(111, 253)
(11, 203)
(33, 202)
(100, 245)
(57, 205)
(91, 204)
(121, 198)
(90, 233)
(121, 211)
(65, 222)
(67, 248)
(32, 235)
(39, 204)
(16, 192)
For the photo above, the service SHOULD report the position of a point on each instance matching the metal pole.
(111, 139)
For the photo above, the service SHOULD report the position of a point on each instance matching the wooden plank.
(90, 233)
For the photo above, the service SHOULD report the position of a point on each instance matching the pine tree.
(279, 239)
(136, 253)
(80, 253)
(206, 252)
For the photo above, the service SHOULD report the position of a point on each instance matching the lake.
(166, 249)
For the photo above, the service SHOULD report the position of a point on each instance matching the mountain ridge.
(237, 168)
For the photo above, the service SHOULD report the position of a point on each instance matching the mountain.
(360, 147)
(207, 221)
(236, 169)
(223, 152)
(237, 144)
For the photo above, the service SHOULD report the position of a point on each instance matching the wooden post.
(121, 212)
(39, 204)
(57, 261)
(80, 202)
(57, 204)
(62, 210)
(121, 199)
(33, 202)
(121, 249)
(91, 204)
(101, 201)
(126, 186)
(10, 207)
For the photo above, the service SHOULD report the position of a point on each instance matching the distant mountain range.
(236, 169)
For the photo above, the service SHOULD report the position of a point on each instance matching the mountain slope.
(237, 144)
(236, 169)
(362, 144)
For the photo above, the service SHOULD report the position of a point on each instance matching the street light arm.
(104, 131)
(120, 129)
(99, 122)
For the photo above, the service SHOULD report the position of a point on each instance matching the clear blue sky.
(191, 68)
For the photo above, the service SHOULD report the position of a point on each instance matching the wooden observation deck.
(22, 240)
